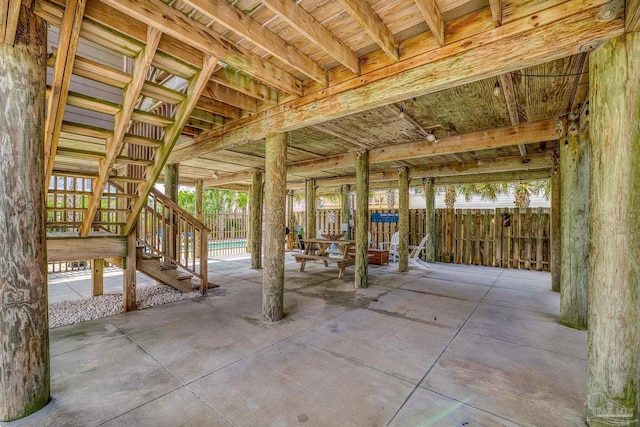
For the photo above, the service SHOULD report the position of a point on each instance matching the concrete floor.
(452, 346)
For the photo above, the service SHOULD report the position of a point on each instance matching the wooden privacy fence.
(467, 236)
(228, 233)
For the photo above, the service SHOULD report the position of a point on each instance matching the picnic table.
(327, 250)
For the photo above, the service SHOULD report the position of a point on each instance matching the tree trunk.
(256, 220)
(555, 230)
(403, 219)
(24, 328)
(574, 228)
(430, 220)
(275, 223)
(310, 208)
(362, 219)
(614, 260)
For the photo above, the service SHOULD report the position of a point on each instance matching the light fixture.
(234, 145)
(525, 161)
(401, 115)
(215, 175)
(431, 137)
(496, 88)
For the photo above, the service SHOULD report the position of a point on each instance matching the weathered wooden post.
(24, 325)
(362, 219)
(171, 178)
(249, 218)
(403, 218)
(310, 209)
(198, 239)
(574, 227)
(345, 206)
(255, 213)
(430, 219)
(275, 223)
(198, 214)
(97, 277)
(556, 216)
(290, 225)
(129, 302)
(171, 173)
(614, 224)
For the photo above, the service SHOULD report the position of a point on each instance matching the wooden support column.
(345, 206)
(255, 213)
(574, 228)
(250, 217)
(430, 219)
(203, 241)
(403, 219)
(129, 285)
(362, 218)
(24, 325)
(310, 209)
(97, 277)
(198, 214)
(275, 223)
(613, 343)
(290, 241)
(556, 215)
(171, 172)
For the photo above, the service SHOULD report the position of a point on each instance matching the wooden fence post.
(362, 218)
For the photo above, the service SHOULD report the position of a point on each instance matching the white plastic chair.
(392, 246)
(414, 255)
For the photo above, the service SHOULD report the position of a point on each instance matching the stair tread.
(183, 276)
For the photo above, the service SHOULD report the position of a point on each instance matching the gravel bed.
(81, 310)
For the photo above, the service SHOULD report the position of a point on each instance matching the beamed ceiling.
(207, 80)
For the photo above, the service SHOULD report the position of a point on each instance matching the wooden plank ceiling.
(337, 76)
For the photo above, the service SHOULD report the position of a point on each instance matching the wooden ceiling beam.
(235, 20)
(62, 71)
(9, 14)
(163, 17)
(171, 135)
(245, 85)
(433, 18)
(573, 26)
(230, 96)
(485, 166)
(122, 119)
(232, 178)
(506, 82)
(632, 16)
(368, 19)
(303, 22)
(216, 107)
(323, 128)
(526, 133)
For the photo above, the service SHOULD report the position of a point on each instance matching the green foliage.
(214, 200)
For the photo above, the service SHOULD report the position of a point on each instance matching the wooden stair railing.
(167, 230)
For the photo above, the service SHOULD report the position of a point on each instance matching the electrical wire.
(549, 75)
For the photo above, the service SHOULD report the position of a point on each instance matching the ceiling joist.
(492, 52)
(238, 22)
(304, 23)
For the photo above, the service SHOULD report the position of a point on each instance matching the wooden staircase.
(163, 272)
(170, 242)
